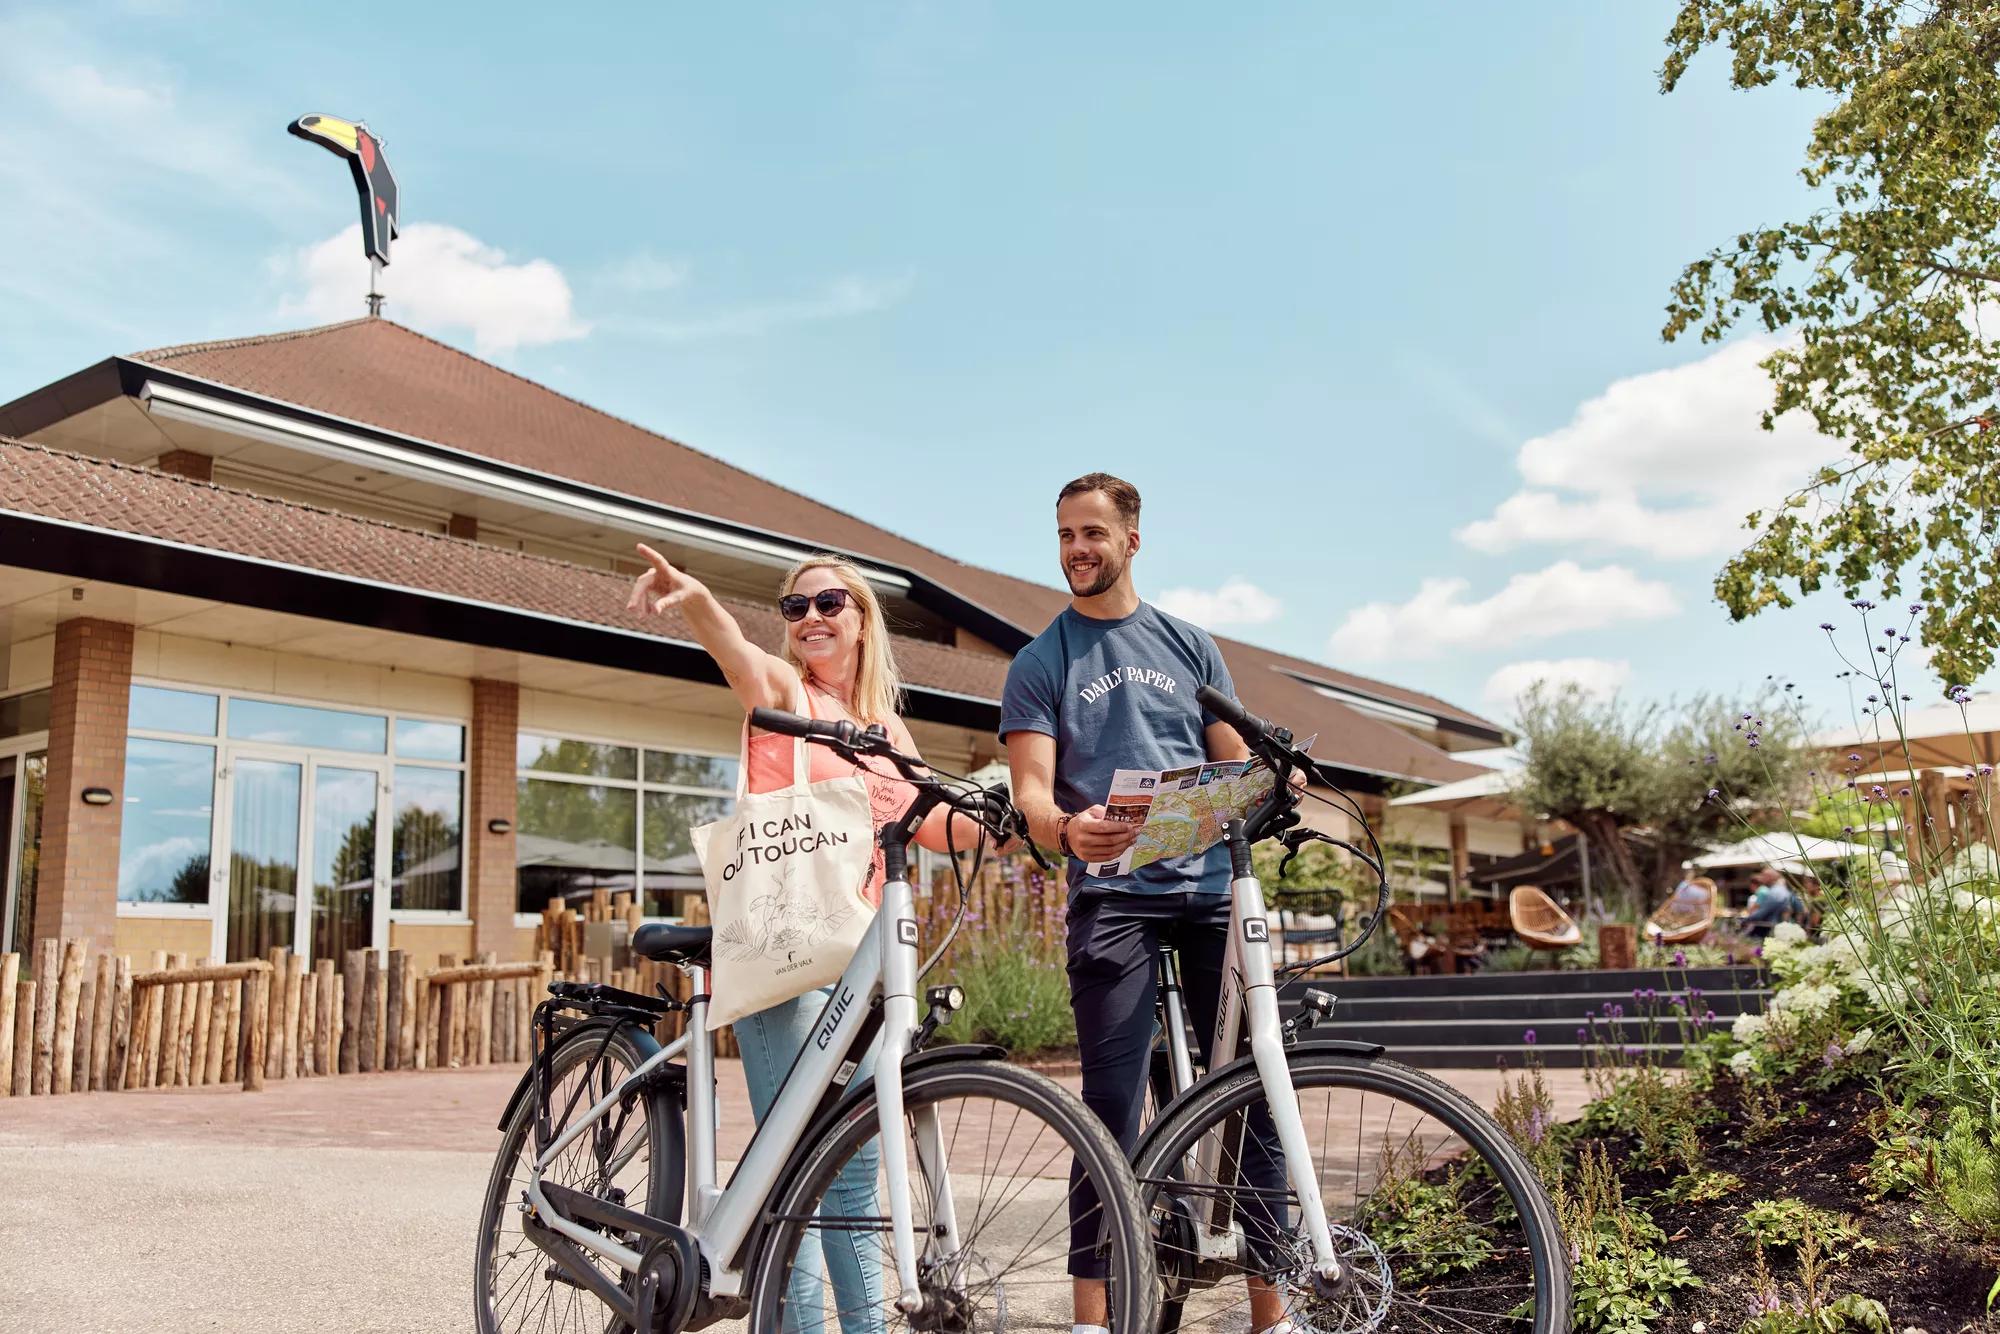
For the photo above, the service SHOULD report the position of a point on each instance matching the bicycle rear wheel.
(1008, 1138)
(1439, 1222)
(632, 1162)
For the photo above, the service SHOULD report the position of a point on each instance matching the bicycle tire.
(532, 1291)
(1132, 1283)
(1234, 1089)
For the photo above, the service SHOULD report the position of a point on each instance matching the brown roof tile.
(79, 489)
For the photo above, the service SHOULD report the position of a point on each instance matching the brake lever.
(1296, 839)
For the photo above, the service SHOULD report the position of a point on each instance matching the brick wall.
(77, 891)
(489, 886)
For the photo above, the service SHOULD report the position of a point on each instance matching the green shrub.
(1700, 1187)
(1623, 1278)
(1968, 1175)
(1013, 998)
(1782, 1225)
(1852, 1312)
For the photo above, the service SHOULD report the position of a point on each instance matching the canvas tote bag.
(785, 871)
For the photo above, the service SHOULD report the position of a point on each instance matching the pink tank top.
(768, 767)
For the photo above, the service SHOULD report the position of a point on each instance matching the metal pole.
(375, 298)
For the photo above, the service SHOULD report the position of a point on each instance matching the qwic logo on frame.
(1256, 929)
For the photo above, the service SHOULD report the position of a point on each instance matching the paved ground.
(342, 1204)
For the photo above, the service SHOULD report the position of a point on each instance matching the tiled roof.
(75, 488)
(380, 373)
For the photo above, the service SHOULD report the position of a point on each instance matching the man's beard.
(1109, 572)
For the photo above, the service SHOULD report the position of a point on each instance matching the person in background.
(1770, 904)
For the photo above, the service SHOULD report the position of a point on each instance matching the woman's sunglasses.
(828, 602)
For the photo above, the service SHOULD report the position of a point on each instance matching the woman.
(837, 664)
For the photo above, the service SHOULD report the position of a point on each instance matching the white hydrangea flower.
(1809, 1000)
(1787, 934)
(1861, 1042)
(1748, 1028)
(1978, 859)
(1743, 1063)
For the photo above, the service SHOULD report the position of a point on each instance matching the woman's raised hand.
(661, 587)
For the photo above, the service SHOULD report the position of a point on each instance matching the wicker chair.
(1686, 917)
(1539, 922)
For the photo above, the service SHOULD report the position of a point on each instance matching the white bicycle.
(932, 1196)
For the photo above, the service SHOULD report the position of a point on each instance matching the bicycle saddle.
(673, 944)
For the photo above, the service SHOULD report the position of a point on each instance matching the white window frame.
(225, 747)
(19, 748)
(637, 786)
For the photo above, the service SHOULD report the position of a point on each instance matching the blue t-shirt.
(1120, 695)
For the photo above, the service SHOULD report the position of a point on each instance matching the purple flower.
(1746, 717)
(1529, 1037)
(1960, 695)
(1852, 756)
(1680, 958)
(1916, 607)
(1714, 792)
(1710, 758)
(1708, 1017)
(1827, 626)
(1890, 633)
(1617, 1012)
(1862, 604)
(1834, 1052)
(1583, 1035)
(1757, 953)
(1874, 700)
(1985, 769)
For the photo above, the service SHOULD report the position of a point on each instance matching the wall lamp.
(97, 796)
(499, 826)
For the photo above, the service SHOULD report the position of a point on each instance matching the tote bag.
(785, 872)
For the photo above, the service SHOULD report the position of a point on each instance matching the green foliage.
(1526, 1110)
(1968, 1175)
(1702, 1187)
(1605, 766)
(1623, 1278)
(1878, 294)
(1781, 1225)
(1423, 1228)
(1013, 998)
(1852, 1312)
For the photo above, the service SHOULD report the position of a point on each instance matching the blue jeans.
(770, 1040)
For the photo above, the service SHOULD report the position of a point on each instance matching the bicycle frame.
(884, 968)
(1248, 1004)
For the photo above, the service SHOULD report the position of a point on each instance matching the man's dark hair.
(1122, 494)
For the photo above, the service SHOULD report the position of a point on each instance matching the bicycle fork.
(1249, 954)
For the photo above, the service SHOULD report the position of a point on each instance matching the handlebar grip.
(791, 724)
(1249, 725)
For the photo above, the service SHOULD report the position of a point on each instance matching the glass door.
(263, 840)
(22, 780)
(8, 785)
(348, 896)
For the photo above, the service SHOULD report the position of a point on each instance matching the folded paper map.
(1182, 811)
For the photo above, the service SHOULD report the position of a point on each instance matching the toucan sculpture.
(373, 180)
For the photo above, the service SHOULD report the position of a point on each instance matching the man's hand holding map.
(1182, 811)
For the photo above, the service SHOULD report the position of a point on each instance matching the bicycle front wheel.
(994, 1151)
(1438, 1220)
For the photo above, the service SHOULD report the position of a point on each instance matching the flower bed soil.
(1819, 1154)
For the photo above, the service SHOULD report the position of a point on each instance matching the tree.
(1886, 297)
(1685, 775)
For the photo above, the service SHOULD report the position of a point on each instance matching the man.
(1770, 904)
(1111, 685)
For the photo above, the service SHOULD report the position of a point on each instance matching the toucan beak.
(330, 130)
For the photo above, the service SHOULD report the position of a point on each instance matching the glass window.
(671, 868)
(22, 714)
(571, 839)
(157, 709)
(303, 725)
(567, 755)
(28, 849)
(710, 771)
(429, 838)
(420, 740)
(163, 844)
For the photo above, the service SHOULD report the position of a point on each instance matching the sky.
(1366, 300)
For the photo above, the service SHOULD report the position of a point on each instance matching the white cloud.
(1597, 676)
(1667, 463)
(1563, 598)
(439, 278)
(843, 297)
(644, 273)
(1237, 602)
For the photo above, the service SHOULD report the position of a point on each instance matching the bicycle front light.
(950, 999)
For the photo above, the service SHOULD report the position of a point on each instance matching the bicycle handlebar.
(1249, 726)
(990, 807)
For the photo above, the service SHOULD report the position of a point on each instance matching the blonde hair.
(878, 689)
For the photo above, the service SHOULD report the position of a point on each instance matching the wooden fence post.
(161, 1052)
(406, 1013)
(353, 967)
(63, 1048)
(100, 1025)
(326, 1019)
(307, 1044)
(86, 1024)
(232, 1030)
(371, 1010)
(204, 1016)
(184, 1042)
(48, 978)
(218, 1034)
(257, 1020)
(25, 1004)
(423, 1057)
(444, 1000)
(392, 1011)
(293, 981)
(121, 1023)
(10, 980)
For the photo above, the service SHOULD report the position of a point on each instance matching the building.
(318, 640)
